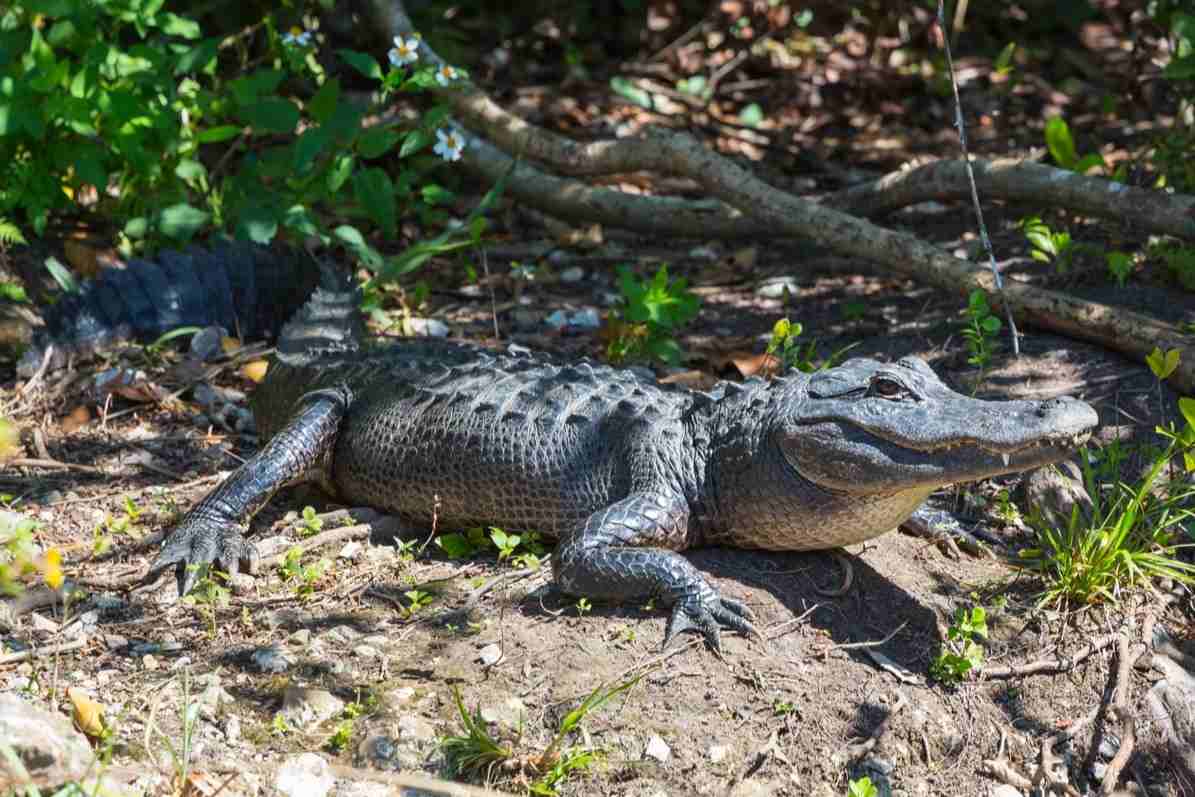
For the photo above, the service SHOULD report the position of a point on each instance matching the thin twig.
(48, 650)
(961, 126)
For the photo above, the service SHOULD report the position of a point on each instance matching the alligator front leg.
(620, 554)
(213, 531)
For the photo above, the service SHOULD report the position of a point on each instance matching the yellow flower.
(53, 568)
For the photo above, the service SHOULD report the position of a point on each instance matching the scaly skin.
(624, 472)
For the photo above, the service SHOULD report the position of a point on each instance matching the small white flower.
(297, 36)
(449, 144)
(405, 51)
(446, 74)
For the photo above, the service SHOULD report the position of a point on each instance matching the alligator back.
(249, 290)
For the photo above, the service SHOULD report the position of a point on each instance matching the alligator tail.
(249, 290)
(328, 322)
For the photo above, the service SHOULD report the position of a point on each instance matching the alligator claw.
(706, 612)
(196, 545)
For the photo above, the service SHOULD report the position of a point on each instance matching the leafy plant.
(651, 312)
(1061, 144)
(126, 109)
(961, 653)
(1120, 266)
(862, 787)
(1179, 262)
(312, 523)
(583, 606)
(1047, 245)
(1131, 536)
(783, 344)
(981, 329)
(477, 753)
(418, 600)
(304, 576)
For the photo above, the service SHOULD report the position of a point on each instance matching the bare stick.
(1120, 711)
(961, 126)
(1052, 666)
(48, 650)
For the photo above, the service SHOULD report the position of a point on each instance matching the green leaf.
(1162, 364)
(1003, 63)
(137, 227)
(62, 275)
(991, 324)
(199, 58)
(455, 546)
(377, 141)
(248, 89)
(258, 223)
(437, 194)
(192, 172)
(1060, 143)
(323, 102)
(1187, 407)
(90, 169)
(271, 115)
(174, 25)
(1089, 161)
(365, 64)
(308, 146)
(630, 92)
(352, 238)
(214, 135)
(751, 115)
(342, 169)
(415, 141)
(181, 221)
(375, 194)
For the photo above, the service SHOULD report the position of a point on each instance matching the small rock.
(400, 696)
(232, 729)
(426, 327)
(302, 637)
(717, 753)
(704, 252)
(208, 343)
(777, 287)
(1054, 491)
(305, 775)
(490, 654)
(413, 728)
(304, 707)
(658, 749)
(351, 551)
(1004, 790)
(149, 662)
(45, 742)
(366, 652)
(573, 274)
(365, 788)
(271, 659)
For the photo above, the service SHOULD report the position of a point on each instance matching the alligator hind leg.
(213, 532)
(621, 553)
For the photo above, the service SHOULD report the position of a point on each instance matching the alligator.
(623, 472)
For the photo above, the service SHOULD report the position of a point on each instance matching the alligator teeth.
(1005, 458)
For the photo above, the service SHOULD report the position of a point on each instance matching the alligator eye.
(887, 388)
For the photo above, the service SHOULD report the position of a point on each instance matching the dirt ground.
(788, 715)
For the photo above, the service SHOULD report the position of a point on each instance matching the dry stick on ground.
(784, 214)
(1120, 711)
(48, 650)
(1052, 666)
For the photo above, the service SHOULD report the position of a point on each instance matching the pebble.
(717, 753)
(658, 749)
(305, 775)
(271, 659)
(777, 287)
(490, 655)
(351, 550)
(573, 274)
(428, 327)
(366, 652)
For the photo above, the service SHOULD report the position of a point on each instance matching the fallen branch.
(1013, 179)
(682, 155)
(48, 650)
(1052, 666)
(1120, 712)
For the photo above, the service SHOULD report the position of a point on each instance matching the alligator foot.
(944, 529)
(196, 545)
(705, 611)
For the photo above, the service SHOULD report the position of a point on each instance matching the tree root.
(783, 214)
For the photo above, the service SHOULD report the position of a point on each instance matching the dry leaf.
(84, 258)
(10, 439)
(78, 418)
(255, 370)
(229, 345)
(745, 258)
(694, 379)
(750, 364)
(87, 713)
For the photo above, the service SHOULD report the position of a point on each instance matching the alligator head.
(867, 427)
